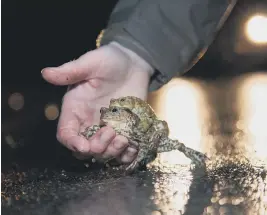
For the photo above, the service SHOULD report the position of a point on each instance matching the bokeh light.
(51, 111)
(256, 29)
(16, 101)
(10, 141)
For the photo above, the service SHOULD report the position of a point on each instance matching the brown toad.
(142, 109)
(145, 112)
(126, 123)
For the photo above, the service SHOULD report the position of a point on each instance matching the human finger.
(116, 148)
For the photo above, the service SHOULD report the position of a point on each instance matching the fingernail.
(131, 152)
(50, 70)
(120, 144)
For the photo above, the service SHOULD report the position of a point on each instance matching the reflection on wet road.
(226, 120)
(253, 120)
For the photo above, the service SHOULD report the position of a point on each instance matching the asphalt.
(233, 184)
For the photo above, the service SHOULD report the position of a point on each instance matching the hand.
(97, 76)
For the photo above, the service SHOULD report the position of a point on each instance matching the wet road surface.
(225, 119)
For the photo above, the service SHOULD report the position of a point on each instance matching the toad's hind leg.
(197, 157)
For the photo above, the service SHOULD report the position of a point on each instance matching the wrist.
(136, 60)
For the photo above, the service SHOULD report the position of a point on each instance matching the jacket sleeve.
(169, 34)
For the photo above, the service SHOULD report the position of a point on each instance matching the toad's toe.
(132, 167)
(201, 159)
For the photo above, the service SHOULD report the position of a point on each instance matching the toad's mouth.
(102, 123)
(111, 123)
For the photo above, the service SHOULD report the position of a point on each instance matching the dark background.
(37, 34)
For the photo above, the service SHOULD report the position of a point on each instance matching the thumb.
(73, 71)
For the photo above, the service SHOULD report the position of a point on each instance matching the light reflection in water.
(238, 188)
(171, 193)
(181, 104)
(253, 107)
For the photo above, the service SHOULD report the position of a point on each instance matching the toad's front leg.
(90, 131)
(148, 145)
(146, 154)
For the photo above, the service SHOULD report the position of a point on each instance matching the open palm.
(97, 76)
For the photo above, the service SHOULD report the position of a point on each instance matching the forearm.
(167, 34)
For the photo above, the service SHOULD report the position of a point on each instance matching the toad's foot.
(140, 162)
(198, 158)
(131, 167)
(90, 131)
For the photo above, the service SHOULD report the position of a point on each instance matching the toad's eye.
(123, 99)
(114, 110)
